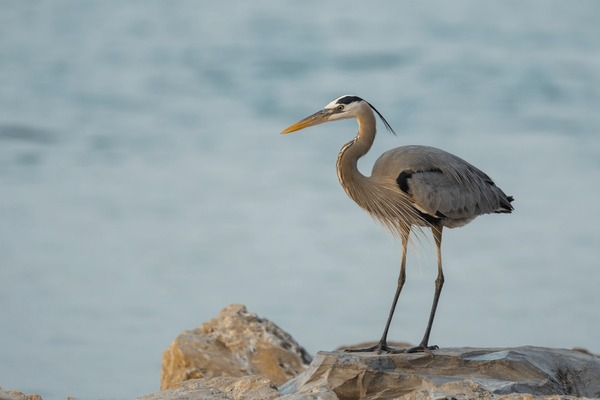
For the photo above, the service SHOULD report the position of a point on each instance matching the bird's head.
(343, 107)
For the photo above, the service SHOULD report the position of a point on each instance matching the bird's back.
(440, 184)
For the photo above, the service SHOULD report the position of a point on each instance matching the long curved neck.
(347, 162)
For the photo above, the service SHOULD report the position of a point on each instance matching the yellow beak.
(317, 118)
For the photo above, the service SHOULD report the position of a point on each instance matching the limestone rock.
(235, 344)
(460, 373)
(239, 356)
(221, 388)
(14, 395)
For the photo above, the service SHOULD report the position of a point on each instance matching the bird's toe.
(422, 349)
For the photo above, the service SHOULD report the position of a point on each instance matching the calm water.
(144, 184)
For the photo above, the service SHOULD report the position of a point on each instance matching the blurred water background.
(144, 184)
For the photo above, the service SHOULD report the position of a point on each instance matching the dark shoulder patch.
(402, 180)
(348, 99)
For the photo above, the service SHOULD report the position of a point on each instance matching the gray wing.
(441, 184)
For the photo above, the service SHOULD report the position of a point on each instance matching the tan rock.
(463, 373)
(239, 356)
(221, 388)
(235, 344)
(14, 395)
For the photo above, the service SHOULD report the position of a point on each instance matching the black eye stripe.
(352, 99)
(348, 99)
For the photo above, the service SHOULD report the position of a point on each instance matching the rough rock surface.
(14, 395)
(239, 356)
(523, 373)
(235, 344)
(221, 388)
(460, 373)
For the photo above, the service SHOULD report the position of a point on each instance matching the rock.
(221, 388)
(459, 373)
(235, 344)
(239, 356)
(14, 395)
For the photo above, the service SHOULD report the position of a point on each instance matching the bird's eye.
(340, 107)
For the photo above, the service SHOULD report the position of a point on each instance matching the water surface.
(144, 184)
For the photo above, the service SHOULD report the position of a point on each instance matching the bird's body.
(410, 186)
(442, 186)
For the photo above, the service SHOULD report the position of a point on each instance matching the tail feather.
(505, 206)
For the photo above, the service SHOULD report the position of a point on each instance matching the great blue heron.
(409, 186)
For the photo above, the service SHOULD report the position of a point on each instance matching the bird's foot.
(379, 348)
(382, 347)
(421, 349)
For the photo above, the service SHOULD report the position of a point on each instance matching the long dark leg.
(439, 282)
(401, 280)
(382, 346)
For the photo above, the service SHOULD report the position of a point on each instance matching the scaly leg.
(439, 282)
(382, 346)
